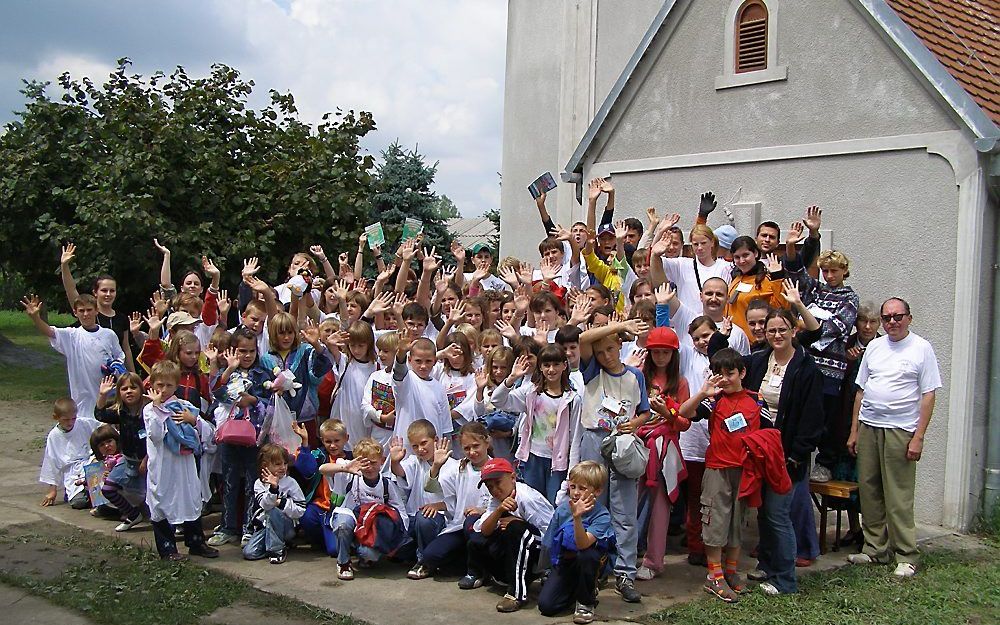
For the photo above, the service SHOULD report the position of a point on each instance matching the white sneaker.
(820, 474)
(770, 589)
(644, 574)
(128, 524)
(245, 540)
(860, 558)
(904, 570)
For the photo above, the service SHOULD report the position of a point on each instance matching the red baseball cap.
(662, 338)
(494, 468)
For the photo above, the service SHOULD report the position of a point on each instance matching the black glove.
(708, 204)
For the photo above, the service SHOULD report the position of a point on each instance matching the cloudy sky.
(431, 72)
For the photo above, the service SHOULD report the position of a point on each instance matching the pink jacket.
(522, 400)
(665, 461)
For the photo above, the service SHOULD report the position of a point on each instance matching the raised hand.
(540, 200)
(522, 298)
(107, 385)
(257, 285)
(790, 291)
(154, 396)
(653, 218)
(68, 254)
(582, 308)
(606, 186)
(457, 313)
(525, 273)
(442, 451)
(225, 304)
(250, 267)
(162, 248)
(211, 353)
(509, 275)
(582, 506)
(795, 233)
(506, 330)
(659, 246)
(727, 326)
(232, 358)
(317, 251)
(813, 220)
(134, 322)
(382, 303)
(482, 378)
(665, 293)
(521, 367)
(594, 189)
(407, 250)
(458, 252)
(712, 386)
(772, 264)
(636, 326)
(268, 478)
(32, 305)
(396, 449)
(542, 332)
(301, 431)
(708, 204)
(209, 267)
(620, 230)
(154, 321)
(310, 333)
(561, 233)
(550, 268)
(482, 270)
(636, 359)
(358, 466)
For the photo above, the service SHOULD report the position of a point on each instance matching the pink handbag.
(237, 431)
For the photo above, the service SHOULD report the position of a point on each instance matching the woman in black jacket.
(788, 379)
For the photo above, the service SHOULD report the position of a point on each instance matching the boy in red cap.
(507, 538)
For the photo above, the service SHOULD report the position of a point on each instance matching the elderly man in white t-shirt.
(896, 386)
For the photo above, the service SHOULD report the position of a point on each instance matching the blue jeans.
(804, 521)
(239, 472)
(343, 528)
(776, 549)
(278, 529)
(537, 473)
(420, 533)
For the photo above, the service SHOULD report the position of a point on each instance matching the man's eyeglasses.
(897, 317)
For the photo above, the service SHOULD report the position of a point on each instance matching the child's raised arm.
(591, 336)
(69, 283)
(165, 278)
(317, 251)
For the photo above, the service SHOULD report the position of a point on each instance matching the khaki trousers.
(886, 481)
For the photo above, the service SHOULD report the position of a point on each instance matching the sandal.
(721, 590)
(736, 582)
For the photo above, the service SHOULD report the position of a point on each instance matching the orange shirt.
(744, 289)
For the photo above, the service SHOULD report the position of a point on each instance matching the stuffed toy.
(284, 381)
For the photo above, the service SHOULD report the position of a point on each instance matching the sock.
(714, 570)
(731, 566)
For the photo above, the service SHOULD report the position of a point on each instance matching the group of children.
(508, 422)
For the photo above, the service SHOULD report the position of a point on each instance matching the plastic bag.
(279, 430)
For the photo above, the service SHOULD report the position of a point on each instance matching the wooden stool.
(819, 491)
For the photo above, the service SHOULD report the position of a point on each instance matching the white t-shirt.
(66, 453)
(681, 272)
(348, 405)
(894, 375)
(532, 506)
(545, 413)
(376, 401)
(173, 491)
(489, 283)
(417, 398)
(359, 492)
(460, 390)
(461, 491)
(412, 484)
(86, 351)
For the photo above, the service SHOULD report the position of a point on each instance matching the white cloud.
(431, 73)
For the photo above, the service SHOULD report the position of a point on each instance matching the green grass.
(120, 584)
(26, 383)
(950, 589)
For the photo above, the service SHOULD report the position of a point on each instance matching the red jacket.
(765, 461)
(659, 439)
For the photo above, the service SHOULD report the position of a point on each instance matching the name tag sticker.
(736, 422)
(775, 381)
(744, 287)
(142, 434)
(612, 405)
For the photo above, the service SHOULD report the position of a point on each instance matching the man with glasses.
(896, 382)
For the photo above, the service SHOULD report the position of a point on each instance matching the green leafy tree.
(446, 209)
(402, 189)
(493, 215)
(183, 159)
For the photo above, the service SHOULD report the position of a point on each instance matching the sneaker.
(625, 587)
(860, 558)
(245, 540)
(820, 474)
(277, 558)
(644, 574)
(509, 603)
(128, 524)
(345, 572)
(470, 582)
(220, 538)
(419, 571)
(770, 589)
(718, 588)
(757, 575)
(178, 531)
(904, 570)
(204, 551)
(584, 614)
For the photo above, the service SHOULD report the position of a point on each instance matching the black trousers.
(572, 580)
(163, 533)
(509, 555)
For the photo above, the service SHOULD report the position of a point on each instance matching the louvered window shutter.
(751, 38)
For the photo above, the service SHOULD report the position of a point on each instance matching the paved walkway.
(381, 595)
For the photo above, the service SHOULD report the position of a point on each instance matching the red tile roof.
(965, 36)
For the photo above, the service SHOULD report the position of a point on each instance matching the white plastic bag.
(279, 430)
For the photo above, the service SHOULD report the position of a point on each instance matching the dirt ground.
(23, 428)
